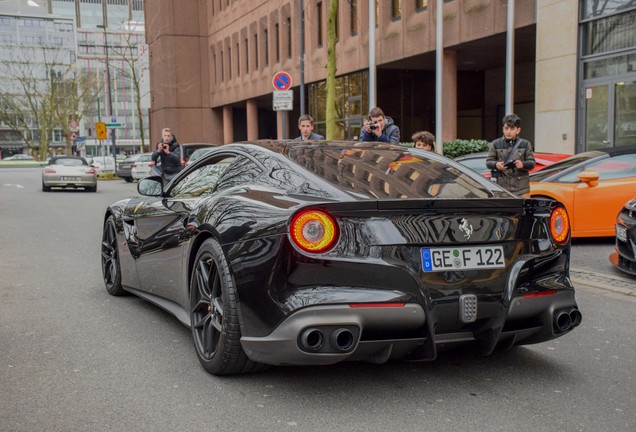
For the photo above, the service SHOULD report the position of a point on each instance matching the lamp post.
(110, 92)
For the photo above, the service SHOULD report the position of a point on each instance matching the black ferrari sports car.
(624, 258)
(313, 253)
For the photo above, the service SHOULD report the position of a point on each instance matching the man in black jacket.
(510, 158)
(167, 155)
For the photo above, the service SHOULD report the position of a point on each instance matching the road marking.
(19, 186)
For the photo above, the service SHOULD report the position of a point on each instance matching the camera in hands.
(373, 126)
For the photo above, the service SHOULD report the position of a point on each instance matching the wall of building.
(556, 84)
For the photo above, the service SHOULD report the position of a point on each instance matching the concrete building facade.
(212, 64)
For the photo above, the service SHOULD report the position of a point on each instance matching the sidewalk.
(622, 285)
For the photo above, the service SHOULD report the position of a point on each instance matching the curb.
(603, 281)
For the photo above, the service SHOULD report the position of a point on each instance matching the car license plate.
(462, 258)
(621, 233)
(70, 179)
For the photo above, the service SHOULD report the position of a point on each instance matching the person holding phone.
(510, 158)
(167, 156)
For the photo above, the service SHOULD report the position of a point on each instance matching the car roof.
(56, 158)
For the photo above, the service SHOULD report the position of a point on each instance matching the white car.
(103, 164)
(141, 168)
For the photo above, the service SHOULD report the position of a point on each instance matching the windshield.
(564, 164)
(69, 162)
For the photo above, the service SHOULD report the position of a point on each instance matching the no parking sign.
(282, 81)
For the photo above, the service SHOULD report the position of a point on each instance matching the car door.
(162, 230)
(596, 205)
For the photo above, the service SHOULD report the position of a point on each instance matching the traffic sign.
(283, 100)
(115, 125)
(282, 81)
(100, 129)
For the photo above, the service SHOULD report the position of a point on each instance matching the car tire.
(128, 179)
(45, 188)
(92, 189)
(214, 317)
(111, 268)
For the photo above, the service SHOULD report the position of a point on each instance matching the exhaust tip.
(342, 339)
(576, 317)
(311, 339)
(562, 322)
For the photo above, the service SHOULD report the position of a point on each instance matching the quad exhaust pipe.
(341, 339)
(566, 319)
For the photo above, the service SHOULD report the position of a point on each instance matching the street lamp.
(110, 93)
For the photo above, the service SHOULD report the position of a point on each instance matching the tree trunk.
(332, 38)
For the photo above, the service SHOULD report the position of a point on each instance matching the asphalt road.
(73, 358)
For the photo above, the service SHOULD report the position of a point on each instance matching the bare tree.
(41, 91)
(130, 51)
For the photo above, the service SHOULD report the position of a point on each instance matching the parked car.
(187, 149)
(477, 161)
(124, 168)
(103, 164)
(141, 167)
(624, 258)
(197, 154)
(20, 157)
(286, 252)
(593, 186)
(69, 172)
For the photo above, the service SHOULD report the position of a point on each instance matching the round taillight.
(313, 231)
(559, 225)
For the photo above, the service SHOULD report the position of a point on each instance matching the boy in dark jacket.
(510, 158)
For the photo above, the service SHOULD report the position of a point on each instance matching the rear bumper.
(377, 334)
(66, 183)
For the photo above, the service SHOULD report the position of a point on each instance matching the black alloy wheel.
(111, 270)
(214, 315)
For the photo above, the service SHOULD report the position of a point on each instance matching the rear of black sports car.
(413, 266)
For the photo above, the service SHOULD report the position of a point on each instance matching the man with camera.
(167, 156)
(510, 158)
(379, 128)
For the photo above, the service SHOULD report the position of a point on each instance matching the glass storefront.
(608, 75)
(351, 104)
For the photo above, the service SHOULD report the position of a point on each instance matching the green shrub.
(459, 147)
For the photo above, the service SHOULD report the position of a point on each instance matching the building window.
(352, 91)
(238, 60)
(214, 66)
(613, 33)
(353, 22)
(421, 5)
(319, 24)
(266, 47)
(247, 56)
(222, 67)
(277, 42)
(289, 38)
(229, 62)
(396, 9)
(255, 51)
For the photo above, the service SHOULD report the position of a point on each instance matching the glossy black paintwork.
(377, 258)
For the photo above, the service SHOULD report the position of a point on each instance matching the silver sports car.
(69, 172)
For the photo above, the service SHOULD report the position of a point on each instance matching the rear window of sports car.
(389, 173)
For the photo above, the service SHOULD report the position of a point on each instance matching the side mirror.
(589, 177)
(150, 186)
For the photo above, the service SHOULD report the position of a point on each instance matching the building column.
(449, 103)
(252, 120)
(228, 125)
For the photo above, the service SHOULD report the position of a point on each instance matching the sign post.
(283, 97)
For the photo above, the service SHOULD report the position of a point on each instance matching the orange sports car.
(594, 186)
